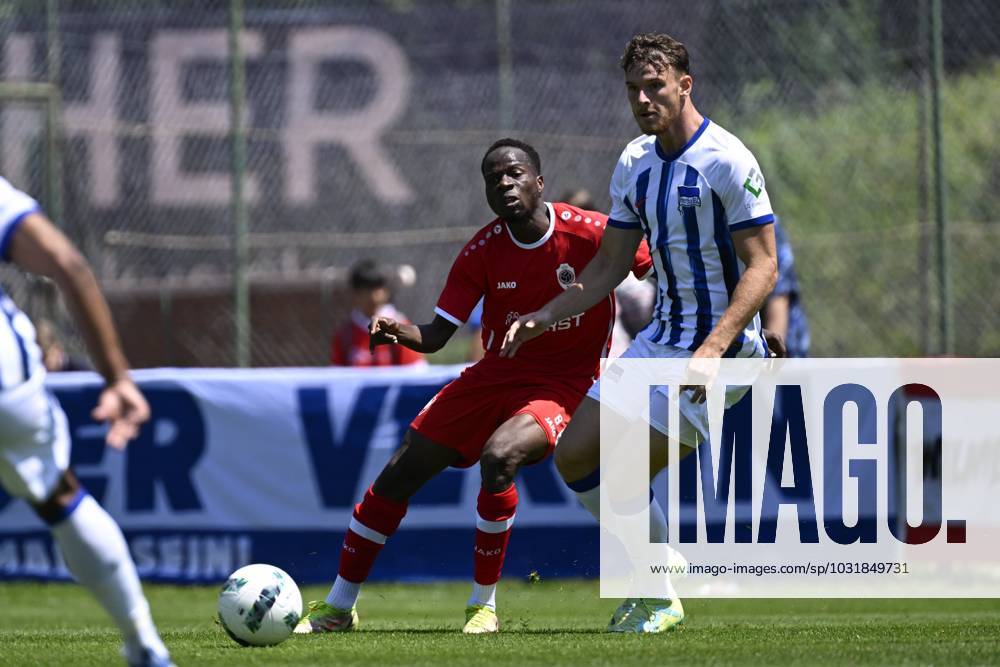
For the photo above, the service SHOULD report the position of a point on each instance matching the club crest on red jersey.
(566, 275)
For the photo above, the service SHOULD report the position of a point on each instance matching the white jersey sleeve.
(14, 206)
(623, 213)
(743, 193)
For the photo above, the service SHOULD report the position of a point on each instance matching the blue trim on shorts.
(77, 499)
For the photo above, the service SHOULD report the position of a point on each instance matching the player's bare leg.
(375, 519)
(519, 441)
(578, 459)
(97, 555)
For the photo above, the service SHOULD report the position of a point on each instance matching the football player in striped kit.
(697, 195)
(34, 435)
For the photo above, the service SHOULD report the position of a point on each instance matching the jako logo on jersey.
(566, 275)
(509, 284)
(688, 196)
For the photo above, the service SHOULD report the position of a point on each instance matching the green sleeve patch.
(754, 183)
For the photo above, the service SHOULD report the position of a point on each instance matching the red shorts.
(464, 414)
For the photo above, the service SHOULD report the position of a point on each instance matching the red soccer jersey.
(349, 345)
(517, 279)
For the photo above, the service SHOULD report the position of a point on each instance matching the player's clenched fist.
(524, 329)
(382, 331)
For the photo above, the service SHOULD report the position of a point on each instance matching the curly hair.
(656, 49)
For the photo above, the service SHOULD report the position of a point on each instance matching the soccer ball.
(259, 605)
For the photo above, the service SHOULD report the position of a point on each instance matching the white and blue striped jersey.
(20, 357)
(688, 204)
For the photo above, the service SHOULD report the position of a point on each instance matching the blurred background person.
(634, 297)
(55, 357)
(370, 296)
(783, 312)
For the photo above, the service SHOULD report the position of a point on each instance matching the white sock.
(97, 555)
(658, 533)
(484, 594)
(343, 594)
(591, 500)
(657, 523)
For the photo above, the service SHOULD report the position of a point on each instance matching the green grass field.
(551, 623)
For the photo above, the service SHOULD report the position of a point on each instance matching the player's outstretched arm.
(40, 248)
(426, 338)
(605, 271)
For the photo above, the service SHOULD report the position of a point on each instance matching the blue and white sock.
(588, 491)
(97, 555)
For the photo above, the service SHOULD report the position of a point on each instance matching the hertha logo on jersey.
(566, 275)
(688, 196)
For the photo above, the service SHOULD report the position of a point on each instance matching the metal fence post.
(237, 207)
(505, 65)
(53, 163)
(943, 241)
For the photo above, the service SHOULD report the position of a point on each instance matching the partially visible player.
(504, 413)
(371, 296)
(783, 312)
(697, 195)
(34, 436)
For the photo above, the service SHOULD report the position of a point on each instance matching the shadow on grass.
(453, 631)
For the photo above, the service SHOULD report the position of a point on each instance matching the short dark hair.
(529, 150)
(656, 49)
(366, 274)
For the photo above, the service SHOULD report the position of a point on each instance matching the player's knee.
(498, 466)
(55, 507)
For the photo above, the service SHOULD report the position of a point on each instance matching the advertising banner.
(241, 466)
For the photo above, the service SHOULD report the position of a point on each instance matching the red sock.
(375, 520)
(496, 516)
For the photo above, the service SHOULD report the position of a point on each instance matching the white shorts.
(694, 423)
(34, 440)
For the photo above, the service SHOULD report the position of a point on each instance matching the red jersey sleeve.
(643, 263)
(466, 284)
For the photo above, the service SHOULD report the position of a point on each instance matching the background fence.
(366, 122)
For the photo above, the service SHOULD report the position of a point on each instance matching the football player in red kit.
(503, 413)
